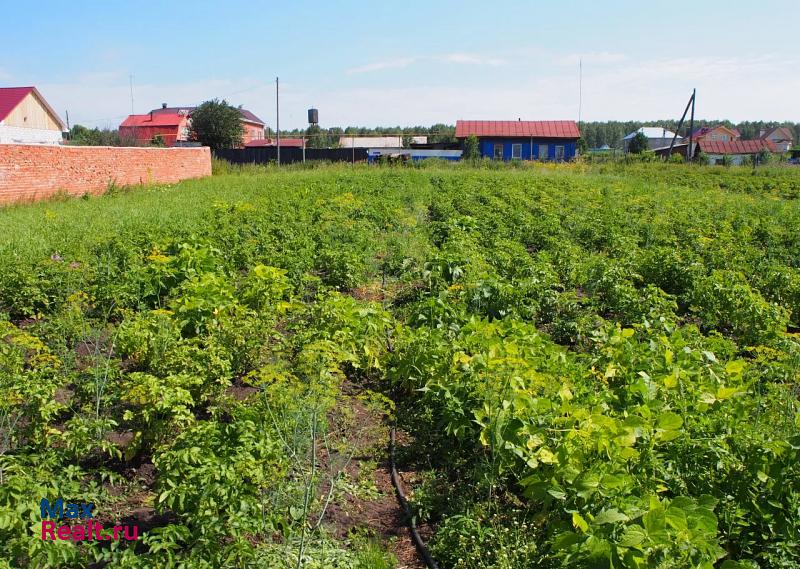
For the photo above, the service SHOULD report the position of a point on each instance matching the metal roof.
(527, 129)
(10, 97)
(156, 119)
(735, 146)
(250, 117)
(781, 131)
(651, 132)
(701, 132)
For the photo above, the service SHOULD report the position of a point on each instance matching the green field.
(589, 366)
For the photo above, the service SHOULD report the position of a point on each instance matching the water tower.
(313, 116)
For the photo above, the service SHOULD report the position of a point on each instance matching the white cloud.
(746, 88)
(4, 75)
(592, 58)
(398, 63)
(404, 62)
(470, 59)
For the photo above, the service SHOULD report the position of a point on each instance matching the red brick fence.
(31, 172)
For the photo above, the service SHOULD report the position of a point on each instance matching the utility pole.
(680, 124)
(67, 113)
(690, 154)
(278, 119)
(580, 89)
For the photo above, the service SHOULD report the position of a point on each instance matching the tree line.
(598, 134)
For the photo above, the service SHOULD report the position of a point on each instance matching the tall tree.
(217, 124)
(471, 150)
(638, 144)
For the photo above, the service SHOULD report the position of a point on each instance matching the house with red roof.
(715, 134)
(522, 140)
(735, 150)
(173, 124)
(781, 137)
(169, 123)
(27, 118)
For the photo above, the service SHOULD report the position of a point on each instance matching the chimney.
(163, 105)
(151, 115)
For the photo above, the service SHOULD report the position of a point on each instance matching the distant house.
(781, 137)
(356, 141)
(170, 123)
(285, 143)
(522, 140)
(736, 150)
(253, 127)
(173, 125)
(26, 118)
(715, 134)
(657, 137)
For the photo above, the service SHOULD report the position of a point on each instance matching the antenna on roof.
(131, 79)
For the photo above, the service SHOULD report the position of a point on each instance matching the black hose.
(422, 550)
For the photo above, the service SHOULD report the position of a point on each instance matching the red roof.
(527, 129)
(287, 142)
(702, 131)
(157, 119)
(10, 97)
(735, 147)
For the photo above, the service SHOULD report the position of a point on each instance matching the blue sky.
(411, 62)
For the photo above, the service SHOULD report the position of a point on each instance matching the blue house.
(522, 140)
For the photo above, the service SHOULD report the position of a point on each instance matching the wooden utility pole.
(690, 151)
(680, 124)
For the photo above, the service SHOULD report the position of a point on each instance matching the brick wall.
(33, 172)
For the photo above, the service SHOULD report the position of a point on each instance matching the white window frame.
(544, 152)
(502, 148)
(560, 152)
(516, 151)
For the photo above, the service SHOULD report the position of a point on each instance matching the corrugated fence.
(290, 155)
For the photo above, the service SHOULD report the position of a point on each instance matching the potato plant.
(593, 366)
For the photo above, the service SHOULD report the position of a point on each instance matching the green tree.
(80, 135)
(638, 144)
(158, 141)
(442, 133)
(471, 150)
(217, 124)
(582, 146)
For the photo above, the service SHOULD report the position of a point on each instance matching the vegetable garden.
(591, 367)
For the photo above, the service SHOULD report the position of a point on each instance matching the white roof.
(651, 132)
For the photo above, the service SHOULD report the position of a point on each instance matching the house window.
(516, 151)
(543, 151)
(559, 153)
(498, 151)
